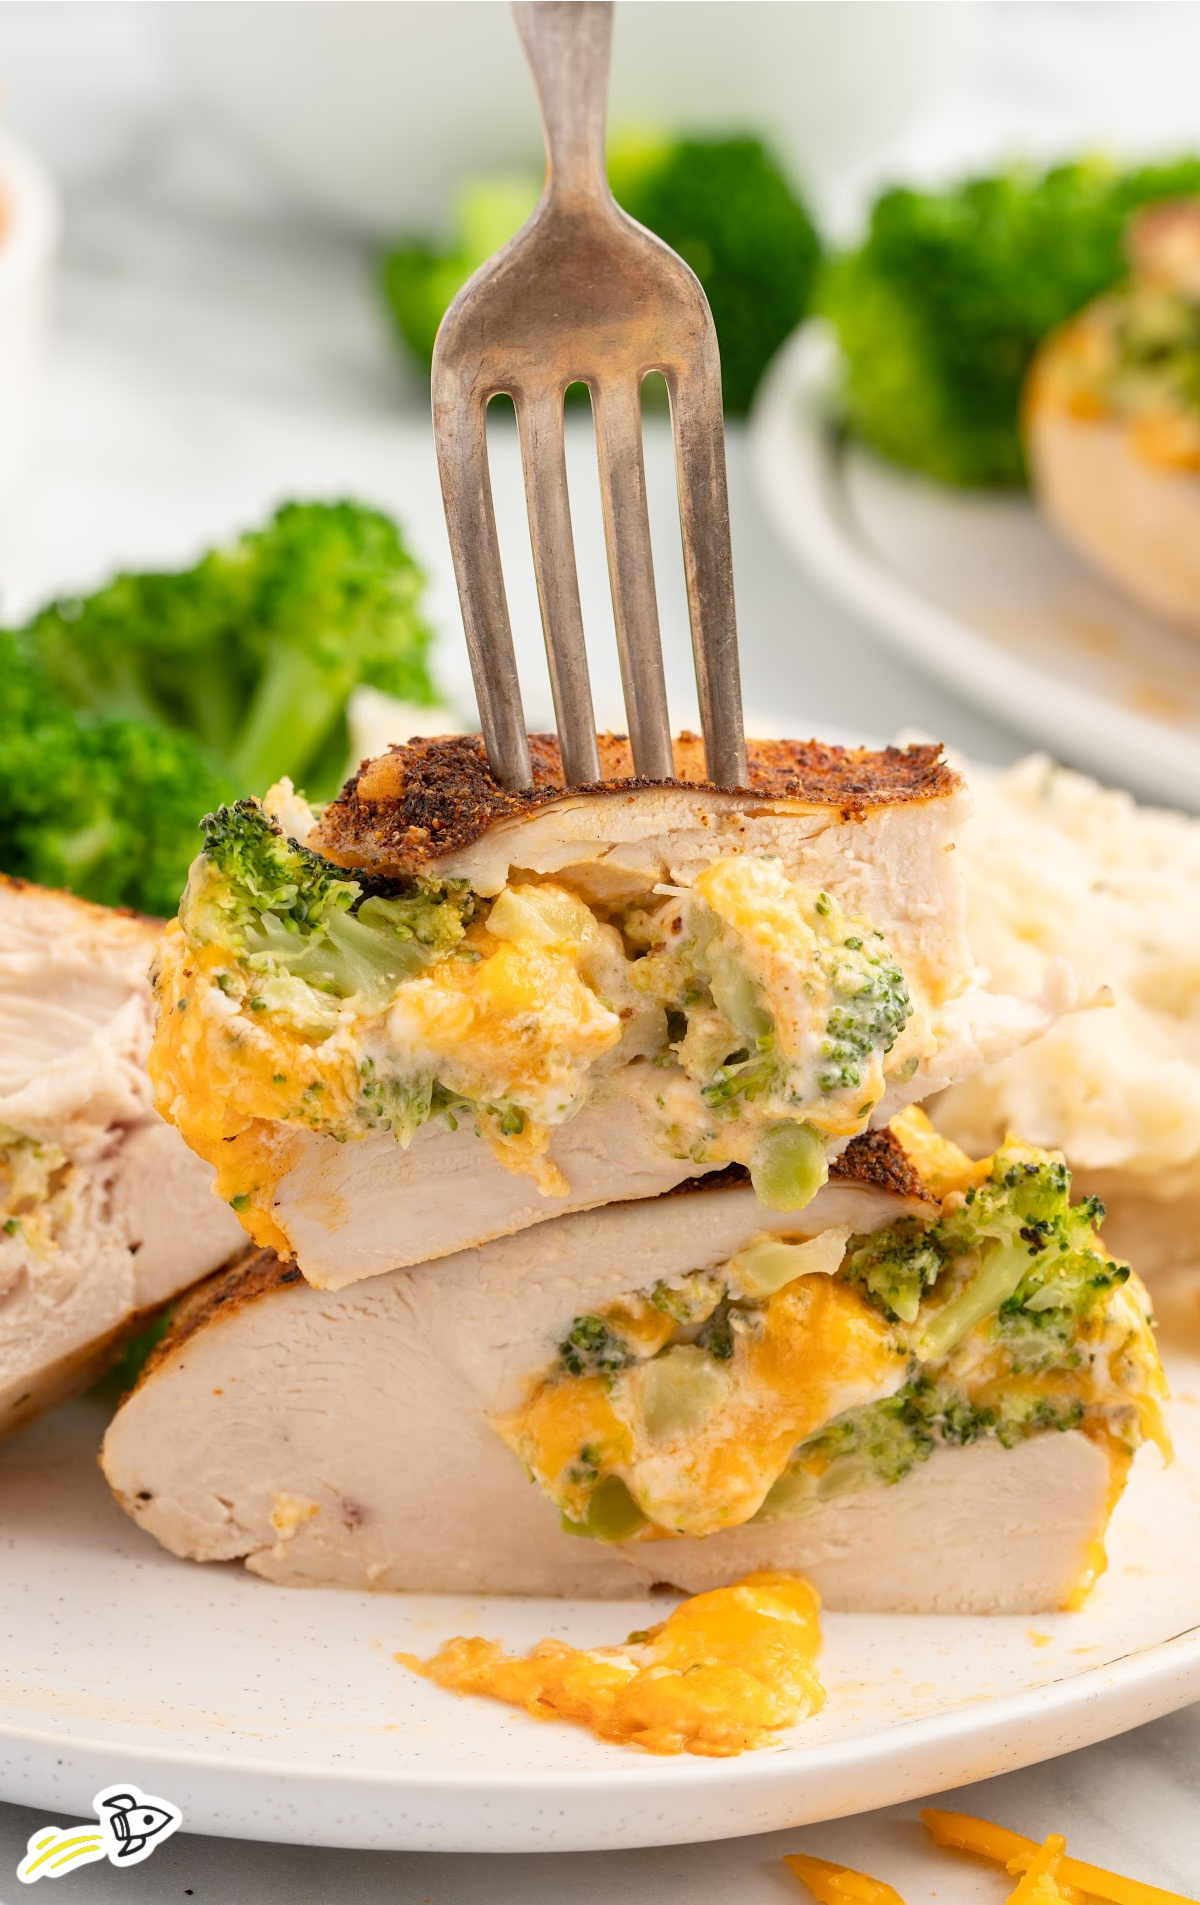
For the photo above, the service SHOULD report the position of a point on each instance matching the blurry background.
(228, 173)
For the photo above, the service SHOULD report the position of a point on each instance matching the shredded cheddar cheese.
(832, 1884)
(1048, 1863)
(721, 1675)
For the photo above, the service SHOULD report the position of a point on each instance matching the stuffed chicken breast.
(1112, 421)
(923, 1391)
(443, 1012)
(104, 1212)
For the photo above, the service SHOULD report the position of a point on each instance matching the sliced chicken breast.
(348, 1440)
(104, 1212)
(325, 1180)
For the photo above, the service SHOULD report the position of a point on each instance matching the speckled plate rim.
(635, 1802)
(796, 454)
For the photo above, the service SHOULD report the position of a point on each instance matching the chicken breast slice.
(106, 1213)
(344, 1440)
(876, 830)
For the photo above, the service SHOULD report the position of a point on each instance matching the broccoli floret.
(590, 1348)
(941, 308)
(1034, 1250)
(872, 1007)
(884, 1441)
(726, 207)
(724, 204)
(745, 1075)
(255, 650)
(1030, 1260)
(896, 1266)
(421, 278)
(881, 1442)
(716, 1335)
(109, 808)
(283, 910)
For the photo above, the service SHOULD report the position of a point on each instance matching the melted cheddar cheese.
(766, 1386)
(721, 1675)
(704, 1456)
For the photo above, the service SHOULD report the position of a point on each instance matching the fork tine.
(544, 460)
(618, 415)
(460, 432)
(708, 566)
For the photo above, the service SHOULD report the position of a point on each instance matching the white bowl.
(29, 229)
(374, 111)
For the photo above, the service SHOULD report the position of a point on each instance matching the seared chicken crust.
(433, 797)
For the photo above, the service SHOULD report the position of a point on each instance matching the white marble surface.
(216, 349)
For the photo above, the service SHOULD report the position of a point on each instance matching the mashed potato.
(1056, 864)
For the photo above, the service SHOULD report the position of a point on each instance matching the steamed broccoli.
(896, 1266)
(872, 1007)
(939, 311)
(722, 203)
(285, 912)
(1034, 1250)
(1027, 1258)
(884, 1441)
(256, 649)
(110, 808)
(591, 1348)
(420, 278)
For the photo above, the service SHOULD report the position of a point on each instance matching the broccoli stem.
(207, 700)
(999, 1277)
(295, 705)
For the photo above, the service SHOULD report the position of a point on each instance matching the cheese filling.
(795, 1373)
(754, 1020)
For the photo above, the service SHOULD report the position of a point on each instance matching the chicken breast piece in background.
(1111, 425)
(104, 1212)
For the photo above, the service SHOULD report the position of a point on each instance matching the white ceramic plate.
(975, 588)
(275, 1713)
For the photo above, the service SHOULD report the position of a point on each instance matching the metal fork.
(582, 294)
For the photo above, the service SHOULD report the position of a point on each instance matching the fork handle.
(568, 44)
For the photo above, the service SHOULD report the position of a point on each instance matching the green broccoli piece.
(949, 1416)
(420, 279)
(590, 1348)
(726, 207)
(722, 203)
(746, 1074)
(255, 650)
(879, 1442)
(1035, 1250)
(882, 1442)
(872, 1007)
(1029, 1259)
(941, 308)
(109, 808)
(280, 909)
(896, 1266)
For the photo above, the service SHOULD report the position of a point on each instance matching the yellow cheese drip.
(721, 1675)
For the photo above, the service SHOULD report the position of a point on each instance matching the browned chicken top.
(433, 797)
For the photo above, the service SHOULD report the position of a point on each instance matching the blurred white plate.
(272, 1713)
(974, 588)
